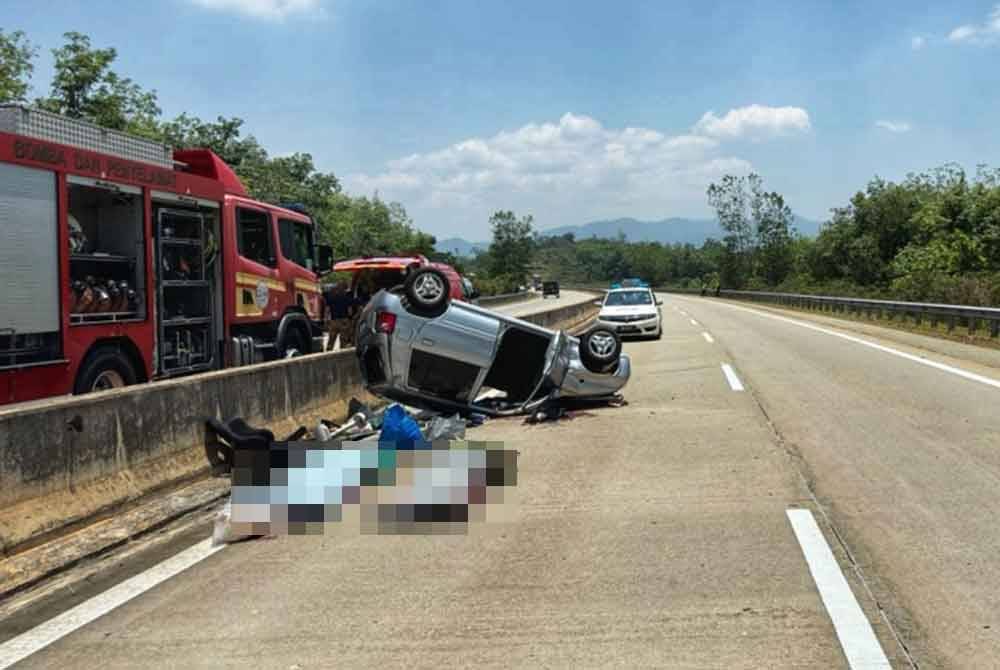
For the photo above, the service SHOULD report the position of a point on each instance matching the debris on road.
(311, 476)
(399, 428)
(446, 428)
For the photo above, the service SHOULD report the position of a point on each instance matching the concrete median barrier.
(66, 461)
(492, 301)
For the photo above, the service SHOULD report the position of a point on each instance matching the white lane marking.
(693, 322)
(734, 381)
(989, 381)
(857, 638)
(41, 636)
(708, 338)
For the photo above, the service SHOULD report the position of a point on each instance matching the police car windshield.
(622, 298)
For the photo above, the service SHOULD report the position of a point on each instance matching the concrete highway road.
(657, 534)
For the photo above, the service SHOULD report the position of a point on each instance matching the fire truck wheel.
(295, 344)
(105, 368)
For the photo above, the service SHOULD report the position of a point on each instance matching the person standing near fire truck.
(340, 308)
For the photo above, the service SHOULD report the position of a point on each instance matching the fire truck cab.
(122, 261)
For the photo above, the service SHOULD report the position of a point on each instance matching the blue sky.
(569, 111)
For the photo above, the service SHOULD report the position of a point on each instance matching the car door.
(296, 244)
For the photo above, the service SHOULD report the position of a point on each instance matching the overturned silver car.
(417, 347)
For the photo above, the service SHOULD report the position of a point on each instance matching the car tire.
(105, 368)
(295, 344)
(659, 333)
(600, 349)
(427, 292)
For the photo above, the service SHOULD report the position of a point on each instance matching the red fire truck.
(122, 261)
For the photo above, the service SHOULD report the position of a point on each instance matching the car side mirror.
(659, 302)
(324, 259)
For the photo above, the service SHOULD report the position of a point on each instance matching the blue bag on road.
(399, 429)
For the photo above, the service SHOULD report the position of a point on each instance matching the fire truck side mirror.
(324, 259)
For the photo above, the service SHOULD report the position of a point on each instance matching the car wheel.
(295, 344)
(600, 349)
(426, 292)
(106, 368)
(659, 333)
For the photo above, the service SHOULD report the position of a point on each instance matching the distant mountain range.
(668, 231)
(460, 247)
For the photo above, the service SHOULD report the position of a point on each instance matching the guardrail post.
(973, 322)
(994, 328)
(951, 323)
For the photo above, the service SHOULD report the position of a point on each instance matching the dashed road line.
(857, 638)
(972, 376)
(708, 338)
(693, 322)
(41, 636)
(734, 381)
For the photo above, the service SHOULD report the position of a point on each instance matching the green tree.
(773, 223)
(731, 200)
(511, 249)
(85, 87)
(758, 224)
(223, 136)
(16, 65)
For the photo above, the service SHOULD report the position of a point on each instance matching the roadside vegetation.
(931, 237)
(85, 86)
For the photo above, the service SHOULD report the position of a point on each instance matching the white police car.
(632, 311)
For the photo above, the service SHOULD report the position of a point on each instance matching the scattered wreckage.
(418, 347)
(453, 363)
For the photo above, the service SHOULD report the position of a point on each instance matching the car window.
(625, 298)
(296, 242)
(254, 241)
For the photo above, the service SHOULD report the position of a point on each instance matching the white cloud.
(895, 126)
(917, 43)
(754, 122)
(980, 34)
(273, 10)
(563, 170)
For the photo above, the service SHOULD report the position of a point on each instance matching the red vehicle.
(387, 272)
(122, 262)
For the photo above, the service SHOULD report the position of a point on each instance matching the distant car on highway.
(417, 346)
(631, 311)
(550, 288)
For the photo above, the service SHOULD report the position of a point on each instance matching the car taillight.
(385, 322)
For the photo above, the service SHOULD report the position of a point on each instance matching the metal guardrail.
(951, 315)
